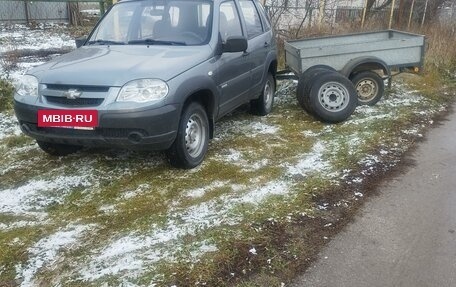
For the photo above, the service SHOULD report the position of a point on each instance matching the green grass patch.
(6, 95)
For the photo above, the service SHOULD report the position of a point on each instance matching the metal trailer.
(365, 59)
(384, 49)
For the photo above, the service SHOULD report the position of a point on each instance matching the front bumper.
(153, 129)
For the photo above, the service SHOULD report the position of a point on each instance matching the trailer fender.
(365, 64)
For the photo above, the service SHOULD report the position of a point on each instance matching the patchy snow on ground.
(34, 196)
(143, 187)
(196, 210)
(17, 39)
(200, 192)
(8, 125)
(21, 37)
(131, 252)
(46, 251)
(310, 163)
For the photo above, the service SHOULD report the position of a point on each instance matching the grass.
(234, 202)
(6, 95)
(270, 193)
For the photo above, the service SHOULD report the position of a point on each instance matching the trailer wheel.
(302, 90)
(369, 86)
(332, 97)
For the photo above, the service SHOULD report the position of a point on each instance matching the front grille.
(80, 102)
(95, 89)
(66, 132)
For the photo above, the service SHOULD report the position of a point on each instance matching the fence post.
(411, 14)
(453, 11)
(392, 14)
(26, 12)
(424, 13)
(321, 12)
(364, 14)
(102, 8)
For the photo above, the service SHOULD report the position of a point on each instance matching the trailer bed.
(395, 48)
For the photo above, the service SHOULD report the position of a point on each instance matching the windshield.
(155, 22)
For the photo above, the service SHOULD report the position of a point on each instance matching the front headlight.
(27, 86)
(143, 90)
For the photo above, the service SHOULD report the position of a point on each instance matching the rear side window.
(265, 17)
(252, 18)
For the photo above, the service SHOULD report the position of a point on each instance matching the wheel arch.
(361, 64)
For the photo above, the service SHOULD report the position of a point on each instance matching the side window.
(230, 25)
(251, 17)
(264, 16)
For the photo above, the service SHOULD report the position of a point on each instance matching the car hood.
(117, 65)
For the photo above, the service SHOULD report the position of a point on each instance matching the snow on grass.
(8, 125)
(137, 192)
(261, 128)
(200, 192)
(131, 252)
(33, 197)
(312, 162)
(46, 251)
(20, 37)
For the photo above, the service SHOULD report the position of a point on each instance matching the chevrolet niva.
(153, 74)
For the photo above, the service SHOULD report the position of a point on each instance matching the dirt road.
(405, 236)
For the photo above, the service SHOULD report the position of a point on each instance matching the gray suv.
(153, 74)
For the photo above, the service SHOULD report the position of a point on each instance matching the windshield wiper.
(105, 42)
(150, 41)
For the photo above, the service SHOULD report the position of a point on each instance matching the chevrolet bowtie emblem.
(72, 94)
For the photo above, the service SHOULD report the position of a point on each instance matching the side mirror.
(235, 44)
(80, 41)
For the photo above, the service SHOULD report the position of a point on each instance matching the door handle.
(245, 53)
(266, 44)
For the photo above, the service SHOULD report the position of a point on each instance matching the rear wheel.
(332, 97)
(56, 149)
(369, 87)
(190, 145)
(263, 105)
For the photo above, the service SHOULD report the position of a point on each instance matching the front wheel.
(190, 145)
(56, 149)
(263, 105)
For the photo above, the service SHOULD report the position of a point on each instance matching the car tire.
(56, 149)
(263, 105)
(332, 97)
(304, 83)
(191, 143)
(369, 86)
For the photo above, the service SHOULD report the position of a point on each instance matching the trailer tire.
(304, 81)
(332, 97)
(369, 86)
